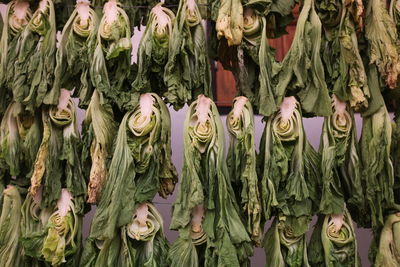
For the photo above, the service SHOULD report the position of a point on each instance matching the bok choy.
(206, 201)
(229, 23)
(59, 242)
(340, 164)
(290, 179)
(241, 161)
(57, 163)
(389, 247)
(10, 227)
(333, 242)
(301, 72)
(153, 51)
(17, 17)
(141, 166)
(187, 72)
(100, 129)
(35, 63)
(110, 68)
(75, 53)
(382, 36)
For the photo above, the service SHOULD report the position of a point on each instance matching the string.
(137, 7)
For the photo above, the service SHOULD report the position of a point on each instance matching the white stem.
(337, 220)
(141, 214)
(203, 107)
(43, 6)
(197, 215)
(110, 11)
(161, 17)
(340, 106)
(287, 107)
(146, 104)
(64, 203)
(64, 98)
(83, 9)
(191, 5)
(21, 9)
(238, 106)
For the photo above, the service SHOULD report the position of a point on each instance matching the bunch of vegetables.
(57, 164)
(141, 166)
(346, 76)
(52, 235)
(16, 19)
(75, 53)
(255, 63)
(35, 59)
(110, 68)
(301, 72)
(187, 72)
(241, 161)
(153, 51)
(289, 187)
(205, 212)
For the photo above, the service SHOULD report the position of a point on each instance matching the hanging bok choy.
(333, 242)
(302, 73)
(187, 72)
(75, 53)
(59, 242)
(110, 68)
(153, 51)
(255, 63)
(241, 161)
(35, 63)
(99, 132)
(10, 253)
(57, 163)
(389, 243)
(290, 178)
(340, 164)
(141, 166)
(345, 73)
(229, 23)
(382, 36)
(20, 135)
(143, 239)
(17, 17)
(205, 211)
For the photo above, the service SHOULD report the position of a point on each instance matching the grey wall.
(313, 130)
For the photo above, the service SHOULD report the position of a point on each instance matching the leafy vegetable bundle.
(75, 53)
(289, 187)
(110, 68)
(153, 51)
(383, 47)
(241, 161)
(340, 164)
(255, 63)
(187, 73)
(301, 72)
(346, 76)
(16, 20)
(10, 254)
(389, 247)
(141, 166)
(99, 130)
(143, 239)
(20, 135)
(52, 235)
(35, 62)
(57, 163)
(333, 242)
(205, 212)
(229, 23)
